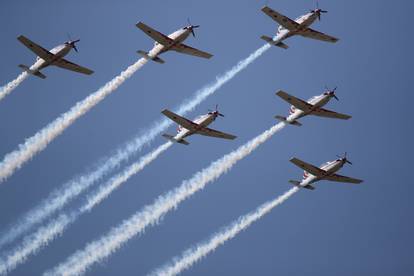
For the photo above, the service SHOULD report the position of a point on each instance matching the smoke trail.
(42, 138)
(43, 236)
(5, 90)
(33, 243)
(60, 197)
(108, 244)
(196, 253)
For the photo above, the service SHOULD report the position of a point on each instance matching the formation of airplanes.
(174, 42)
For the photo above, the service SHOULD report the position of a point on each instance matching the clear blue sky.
(335, 230)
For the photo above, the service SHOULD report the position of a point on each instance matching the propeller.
(344, 158)
(318, 11)
(331, 92)
(72, 42)
(191, 27)
(215, 111)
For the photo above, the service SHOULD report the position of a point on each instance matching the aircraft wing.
(321, 112)
(65, 64)
(310, 33)
(37, 49)
(341, 178)
(307, 167)
(184, 49)
(215, 133)
(157, 36)
(285, 21)
(184, 122)
(298, 103)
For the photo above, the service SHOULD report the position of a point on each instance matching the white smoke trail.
(43, 236)
(108, 244)
(43, 137)
(196, 253)
(114, 183)
(33, 243)
(5, 90)
(60, 197)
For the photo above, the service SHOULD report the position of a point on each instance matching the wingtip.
(20, 37)
(280, 92)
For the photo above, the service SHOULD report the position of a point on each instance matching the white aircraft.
(198, 126)
(173, 42)
(313, 106)
(299, 26)
(326, 171)
(52, 57)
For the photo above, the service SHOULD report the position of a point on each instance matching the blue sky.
(337, 229)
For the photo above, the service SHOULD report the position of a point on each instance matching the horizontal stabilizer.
(145, 55)
(271, 41)
(31, 72)
(267, 39)
(297, 184)
(282, 45)
(283, 119)
(172, 139)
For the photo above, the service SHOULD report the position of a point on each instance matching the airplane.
(326, 171)
(313, 106)
(173, 41)
(54, 57)
(299, 26)
(198, 126)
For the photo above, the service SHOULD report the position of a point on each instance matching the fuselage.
(330, 168)
(178, 37)
(304, 22)
(316, 102)
(202, 122)
(59, 52)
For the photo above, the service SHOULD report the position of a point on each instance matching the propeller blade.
(192, 31)
(336, 98)
(76, 49)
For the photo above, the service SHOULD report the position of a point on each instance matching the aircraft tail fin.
(297, 184)
(172, 139)
(283, 119)
(145, 55)
(31, 72)
(271, 41)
